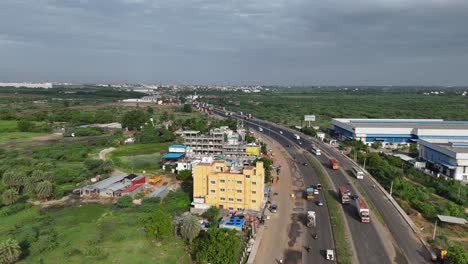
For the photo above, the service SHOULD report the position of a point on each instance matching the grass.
(342, 243)
(8, 126)
(138, 157)
(94, 234)
(19, 136)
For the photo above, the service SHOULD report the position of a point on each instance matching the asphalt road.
(408, 248)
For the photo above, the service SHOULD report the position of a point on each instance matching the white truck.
(311, 219)
(297, 137)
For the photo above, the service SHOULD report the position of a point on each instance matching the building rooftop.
(178, 146)
(131, 188)
(457, 147)
(172, 155)
(109, 181)
(405, 123)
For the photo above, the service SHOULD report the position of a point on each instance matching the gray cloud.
(235, 41)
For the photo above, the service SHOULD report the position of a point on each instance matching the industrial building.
(400, 131)
(228, 185)
(450, 157)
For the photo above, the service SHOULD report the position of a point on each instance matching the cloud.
(236, 41)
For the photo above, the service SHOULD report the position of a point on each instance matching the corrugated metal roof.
(178, 146)
(116, 186)
(452, 219)
(109, 181)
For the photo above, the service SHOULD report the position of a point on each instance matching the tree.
(134, 119)
(187, 108)
(125, 201)
(44, 189)
(190, 228)
(10, 251)
(39, 175)
(107, 166)
(217, 246)
(457, 254)
(25, 126)
(376, 145)
(159, 226)
(165, 116)
(213, 214)
(309, 131)
(184, 175)
(14, 179)
(9, 197)
(267, 165)
(150, 110)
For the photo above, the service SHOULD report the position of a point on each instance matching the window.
(230, 208)
(239, 200)
(212, 191)
(254, 201)
(239, 209)
(239, 191)
(247, 176)
(212, 182)
(239, 182)
(254, 192)
(222, 199)
(254, 183)
(222, 190)
(231, 199)
(222, 181)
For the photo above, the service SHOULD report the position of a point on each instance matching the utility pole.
(391, 188)
(435, 228)
(365, 158)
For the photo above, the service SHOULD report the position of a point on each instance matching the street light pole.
(391, 189)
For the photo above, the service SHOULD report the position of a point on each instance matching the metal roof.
(116, 186)
(109, 181)
(178, 146)
(452, 219)
(172, 155)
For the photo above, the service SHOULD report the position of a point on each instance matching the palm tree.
(30, 185)
(9, 251)
(44, 189)
(9, 197)
(14, 178)
(39, 175)
(190, 228)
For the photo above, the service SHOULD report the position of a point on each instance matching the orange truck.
(155, 180)
(334, 164)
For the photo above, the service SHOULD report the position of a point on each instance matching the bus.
(316, 151)
(358, 173)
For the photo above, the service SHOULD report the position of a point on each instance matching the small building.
(451, 158)
(110, 187)
(172, 156)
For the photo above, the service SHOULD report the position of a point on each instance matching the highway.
(407, 247)
(367, 241)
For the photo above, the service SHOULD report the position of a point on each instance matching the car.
(354, 196)
(330, 254)
(287, 145)
(319, 203)
(273, 208)
(304, 164)
(300, 143)
(281, 132)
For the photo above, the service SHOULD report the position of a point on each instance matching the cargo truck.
(310, 193)
(344, 194)
(334, 164)
(311, 219)
(363, 210)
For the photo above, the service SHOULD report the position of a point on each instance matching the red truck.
(344, 194)
(363, 210)
(334, 164)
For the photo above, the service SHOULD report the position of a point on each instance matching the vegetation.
(184, 175)
(9, 251)
(268, 166)
(190, 228)
(457, 254)
(217, 246)
(187, 108)
(135, 119)
(125, 201)
(213, 215)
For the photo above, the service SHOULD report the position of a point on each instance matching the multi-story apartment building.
(228, 186)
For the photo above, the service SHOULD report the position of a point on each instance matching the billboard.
(309, 118)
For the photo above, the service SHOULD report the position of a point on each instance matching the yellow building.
(235, 188)
(252, 150)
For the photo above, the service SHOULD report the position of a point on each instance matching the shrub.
(125, 201)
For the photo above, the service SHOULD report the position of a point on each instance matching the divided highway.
(408, 248)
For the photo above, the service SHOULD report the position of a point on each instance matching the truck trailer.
(334, 164)
(363, 210)
(311, 219)
(344, 194)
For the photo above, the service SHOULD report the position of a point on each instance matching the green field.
(8, 126)
(90, 234)
(139, 157)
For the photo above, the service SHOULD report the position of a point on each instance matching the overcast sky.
(235, 42)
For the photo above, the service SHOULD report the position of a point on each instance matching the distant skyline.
(284, 42)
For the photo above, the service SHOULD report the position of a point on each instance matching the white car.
(281, 132)
(330, 254)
